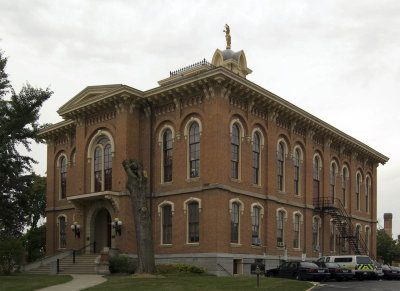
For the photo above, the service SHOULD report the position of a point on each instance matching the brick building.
(236, 173)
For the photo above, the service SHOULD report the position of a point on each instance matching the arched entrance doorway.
(102, 229)
(98, 220)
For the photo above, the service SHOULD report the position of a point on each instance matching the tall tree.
(19, 115)
(137, 180)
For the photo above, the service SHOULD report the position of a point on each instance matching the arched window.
(167, 224)
(332, 182)
(316, 186)
(332, 236)
(235, 223)
(296, 171)
(62, 224)
(358, 188)
(279, 228)
(194, 150)
(193, 222)
(255, 226)
(344, 185)
(281, 164)
(63, 177)
(316, 223)
(358, 233)
(296, 231)
(256, 158)
(102, 162)
(367, 233)
(367, 190)
(167, 156)
(235, 151)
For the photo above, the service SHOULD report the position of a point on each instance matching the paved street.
(359, 285)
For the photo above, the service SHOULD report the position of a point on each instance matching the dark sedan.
(338, 273)
(388, 273)
(303, 271)
(395, 272)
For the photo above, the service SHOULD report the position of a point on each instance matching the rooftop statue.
(227, 36)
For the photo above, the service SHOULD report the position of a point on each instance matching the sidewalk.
(79, 282)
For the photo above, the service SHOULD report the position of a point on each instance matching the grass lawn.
(199, 282)
(26, 282)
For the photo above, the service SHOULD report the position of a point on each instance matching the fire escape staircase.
(343, 223)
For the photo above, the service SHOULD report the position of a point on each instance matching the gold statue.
(227, 36)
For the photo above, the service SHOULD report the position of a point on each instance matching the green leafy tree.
(35, 243)
(11, 252)
(19, 115)
(387, 248)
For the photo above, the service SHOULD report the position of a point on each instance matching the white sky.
(336, 59)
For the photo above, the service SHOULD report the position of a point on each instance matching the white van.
(361, 266)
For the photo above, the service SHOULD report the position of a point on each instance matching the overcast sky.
(338, 60)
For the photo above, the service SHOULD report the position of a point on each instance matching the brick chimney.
(387, 217)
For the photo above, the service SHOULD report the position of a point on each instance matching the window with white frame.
(102, 164)
(281, 166)
(167, 224)
(367, 191)
(256, 158)
(62, 225)
(297, 171)
(332, 236)
(367, 234)
(316, 180)
(235, 222)
(316, 224)
(344, 185)
(358, 235)
(255, 226)
(358, 188)
(63, 177)
(193, 222)
(296, 231)
(280, 228)
(194, 150)
(235, 151)
(332, 182)
(167, 155)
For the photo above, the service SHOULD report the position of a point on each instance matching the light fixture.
(117, 225)
(76, 228)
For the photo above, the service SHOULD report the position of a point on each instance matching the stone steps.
(84, 264)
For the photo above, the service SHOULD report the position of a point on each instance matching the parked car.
(388, 273)
(303, 271)
(395, 272)
(338, 273)
(272, 272)
(362, 267)
(378, 270)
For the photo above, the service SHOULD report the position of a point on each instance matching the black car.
(388, 273)
(303, 271)
(395, 272)
(338, 273)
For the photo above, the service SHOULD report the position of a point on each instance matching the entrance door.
(102, 230)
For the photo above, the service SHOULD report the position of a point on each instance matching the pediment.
(95, 94)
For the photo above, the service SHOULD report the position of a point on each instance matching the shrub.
(179, 268)
(11, 252)
(122, 264)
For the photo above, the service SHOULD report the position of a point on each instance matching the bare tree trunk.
(137, 179)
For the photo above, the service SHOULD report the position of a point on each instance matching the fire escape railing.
(343, 223)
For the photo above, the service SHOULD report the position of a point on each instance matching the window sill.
(192, 244)
(236, 180)
(298, 196)
(281, 192)
(165, 245)
(235, 245)
(256, 246)
(257, 186)
(191, 180)
(297, 249)
(166, 183)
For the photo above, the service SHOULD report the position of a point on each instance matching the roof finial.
(227, 36)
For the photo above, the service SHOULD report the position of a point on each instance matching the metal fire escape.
(343, 223)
